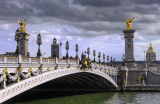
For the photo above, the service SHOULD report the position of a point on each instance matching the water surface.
(102, 98)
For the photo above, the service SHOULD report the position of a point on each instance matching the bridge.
(19, 74)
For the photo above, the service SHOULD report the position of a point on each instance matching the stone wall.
(153, 78)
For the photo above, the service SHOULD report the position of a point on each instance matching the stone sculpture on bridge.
(22, 25)
(128, 23)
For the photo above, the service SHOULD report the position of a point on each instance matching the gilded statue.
(23, 25)
(128, 23)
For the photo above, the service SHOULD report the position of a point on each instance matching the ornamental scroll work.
(23, 25)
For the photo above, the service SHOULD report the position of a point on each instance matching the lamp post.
(54, 45)
(111, 61)
(88, 51)
(77, 51)
(104, 58)
(107, 59)
(99, 56)
(114, 62)
(39, 42)
(67, 47)
(94, 54)
(85, 53)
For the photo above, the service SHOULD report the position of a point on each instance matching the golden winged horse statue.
(22, 25)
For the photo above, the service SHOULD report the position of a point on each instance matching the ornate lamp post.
(111, 61)
(55, 45)
(17, 38)
(99, 56)
(67, 47)
(94, 54)
(114, 62)
(39, 42)
(77, 51)
(107, 59)
(104, 58)
(88, 51)
(85, 53)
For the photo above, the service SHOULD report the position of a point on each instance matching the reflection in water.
(134, 98)
(101, 98)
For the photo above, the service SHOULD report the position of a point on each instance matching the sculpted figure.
(22, 25)
(128, 23)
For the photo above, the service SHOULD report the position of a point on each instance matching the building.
(150, 54)
(58, 50)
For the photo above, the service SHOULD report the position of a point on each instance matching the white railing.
(11, 59)
(34, 60)
(72, 61)
(63, 61)
(45, 60)
(51, 61)
(25, 59)
(1, 59)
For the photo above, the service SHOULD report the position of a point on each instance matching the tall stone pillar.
(129, 47)
(23, 44)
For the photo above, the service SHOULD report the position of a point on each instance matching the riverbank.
(146, 88)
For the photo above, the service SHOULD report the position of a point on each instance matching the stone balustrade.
(14, 67)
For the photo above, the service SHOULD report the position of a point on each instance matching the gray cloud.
(94, 17)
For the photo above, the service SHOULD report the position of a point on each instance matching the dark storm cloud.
(99, 3)
(90, 15)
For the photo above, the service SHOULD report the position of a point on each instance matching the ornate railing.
(63, 61)
(73, 61)
(25, 59)
(1, 59)
(11, 59)
(45, 60)
(51, 61)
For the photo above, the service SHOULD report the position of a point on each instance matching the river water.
(101, 98)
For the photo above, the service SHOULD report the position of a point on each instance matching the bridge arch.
(89, 78)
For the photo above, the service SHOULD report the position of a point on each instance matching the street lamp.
(111, 61)
(88, 51)
(39, 42)
(77, 51)
(114, 62)
(99, 56)
(54, 45)
(107, 59)
(85, 53)
(94, 54)
(104, 58)
(67, 47)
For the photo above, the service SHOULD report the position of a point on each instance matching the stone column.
(129, 44)
(24, 44)
(123, 76)
(129, 47)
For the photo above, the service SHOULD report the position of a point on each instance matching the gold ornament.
(22, 25)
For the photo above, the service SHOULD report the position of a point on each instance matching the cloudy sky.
(89, 23)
